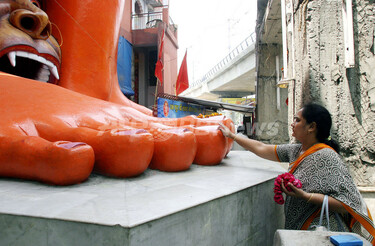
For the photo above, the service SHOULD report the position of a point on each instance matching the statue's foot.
(174, 149)
(34, 158)
(123, 152)
(212, 145)
(197, 125)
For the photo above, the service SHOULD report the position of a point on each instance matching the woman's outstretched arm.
(265, 151)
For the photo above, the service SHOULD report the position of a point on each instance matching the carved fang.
(12, 58)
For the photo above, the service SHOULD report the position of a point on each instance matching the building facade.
(323, 52)
(142, 26)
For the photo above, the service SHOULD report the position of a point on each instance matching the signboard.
(168, 108)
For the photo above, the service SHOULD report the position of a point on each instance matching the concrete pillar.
(272, 124)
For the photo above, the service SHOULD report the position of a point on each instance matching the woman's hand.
(260, 149)
(296, 192)
(314, 198)
(226, 132)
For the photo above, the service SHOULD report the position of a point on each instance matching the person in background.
(316, 163)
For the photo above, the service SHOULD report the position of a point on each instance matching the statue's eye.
(35, 2)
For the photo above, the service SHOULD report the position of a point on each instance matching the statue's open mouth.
(29, 65)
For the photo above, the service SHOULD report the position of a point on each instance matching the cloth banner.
(124, 66)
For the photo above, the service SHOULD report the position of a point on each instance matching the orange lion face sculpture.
(59, 132)
(27, 48)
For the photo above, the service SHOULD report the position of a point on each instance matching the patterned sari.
(321, 170)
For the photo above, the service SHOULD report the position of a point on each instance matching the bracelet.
(312, 194)
(234, 137)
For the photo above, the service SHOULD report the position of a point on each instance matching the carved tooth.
(42, 79)
(53, 69)
(54, 72)
(22, 54)
(12, 58)
(40, 59)
(43, 74)
(44, 70)
(49, 64)
(33, 57)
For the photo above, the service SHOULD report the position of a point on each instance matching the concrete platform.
(228, 204)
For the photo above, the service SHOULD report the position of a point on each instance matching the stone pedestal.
(228, 204)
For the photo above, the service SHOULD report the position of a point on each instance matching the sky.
(209, 30)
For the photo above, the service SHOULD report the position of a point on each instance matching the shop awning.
(211, 104)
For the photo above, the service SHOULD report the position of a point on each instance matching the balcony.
(146, 20)
(150, 20)
(146, 27)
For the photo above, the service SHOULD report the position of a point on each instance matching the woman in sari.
(316, 163)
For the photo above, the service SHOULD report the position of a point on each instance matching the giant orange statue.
(58, 132)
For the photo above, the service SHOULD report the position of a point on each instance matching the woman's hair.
(313, 112)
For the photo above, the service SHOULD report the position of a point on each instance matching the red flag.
(159, 63)
(182, 79)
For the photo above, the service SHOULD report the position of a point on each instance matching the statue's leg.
(89, 30)
(34, 158)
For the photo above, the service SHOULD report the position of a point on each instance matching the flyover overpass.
(232, 77)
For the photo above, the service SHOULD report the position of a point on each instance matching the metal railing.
(150, 20)
(172, 26)
(234, 53)
(146, 20)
